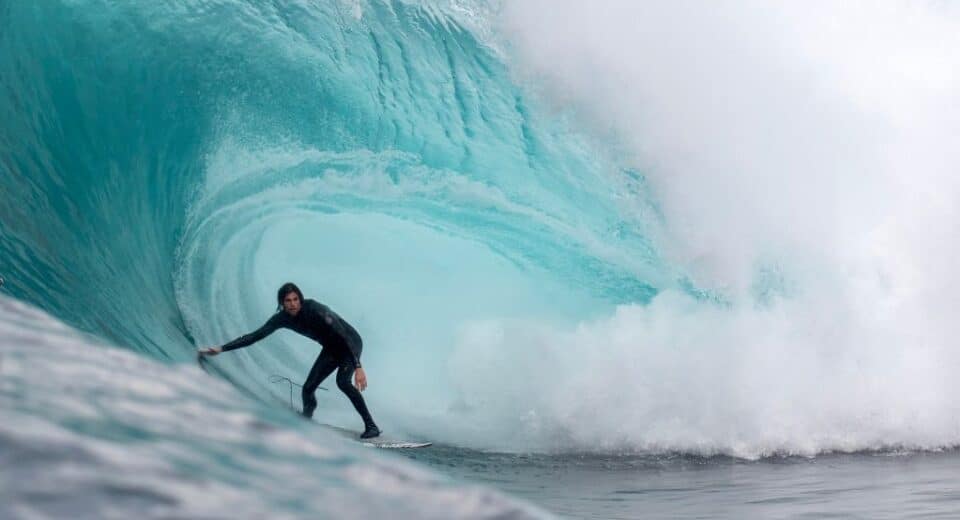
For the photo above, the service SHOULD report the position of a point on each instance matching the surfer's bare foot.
(370, 432)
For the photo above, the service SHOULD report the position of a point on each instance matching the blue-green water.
(165, 166)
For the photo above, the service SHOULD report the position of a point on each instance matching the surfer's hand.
(210, 351)
(360, 379)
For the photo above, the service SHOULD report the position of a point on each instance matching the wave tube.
(521, 279)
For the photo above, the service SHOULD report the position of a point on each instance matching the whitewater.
(614, 259)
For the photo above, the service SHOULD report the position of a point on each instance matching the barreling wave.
(167, 165)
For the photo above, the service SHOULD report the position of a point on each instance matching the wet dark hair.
(286, 289)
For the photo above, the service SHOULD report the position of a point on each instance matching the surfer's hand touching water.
(360, 379)
(210, 351)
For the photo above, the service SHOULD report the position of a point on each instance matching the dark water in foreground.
(913, 485)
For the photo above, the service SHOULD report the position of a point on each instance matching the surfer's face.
(291, 303)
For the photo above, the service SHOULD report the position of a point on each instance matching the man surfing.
(341, 349)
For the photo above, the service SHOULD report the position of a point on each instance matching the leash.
(276, 379)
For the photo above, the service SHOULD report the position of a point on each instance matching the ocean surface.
(622, 261)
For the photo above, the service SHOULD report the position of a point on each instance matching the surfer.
(341, 349)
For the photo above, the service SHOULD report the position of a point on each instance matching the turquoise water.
(165, 166)
(160, 159)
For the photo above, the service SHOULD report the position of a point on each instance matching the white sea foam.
(804, 159)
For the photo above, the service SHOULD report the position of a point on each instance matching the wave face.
(519, 285)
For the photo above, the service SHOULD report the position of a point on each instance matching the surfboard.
(376, 442)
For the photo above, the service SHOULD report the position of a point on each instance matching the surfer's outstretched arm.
(248, 339)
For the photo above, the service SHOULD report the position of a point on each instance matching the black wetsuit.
(342, 346)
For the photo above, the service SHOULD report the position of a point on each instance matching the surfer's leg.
(343, 383)
(322, 367)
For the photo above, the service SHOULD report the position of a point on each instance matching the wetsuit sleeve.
(249, 339)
